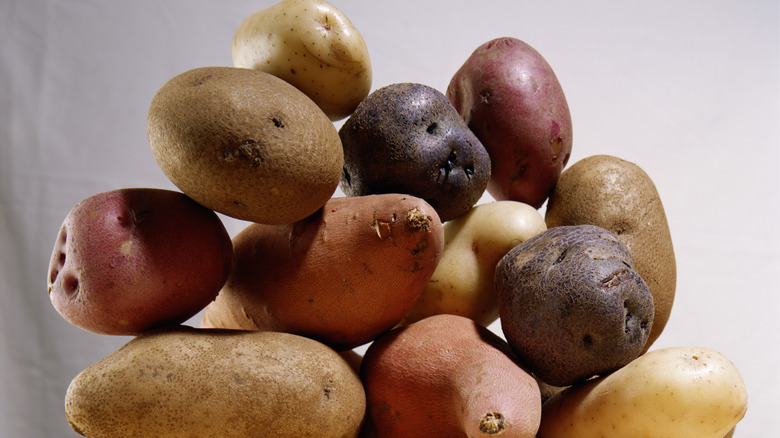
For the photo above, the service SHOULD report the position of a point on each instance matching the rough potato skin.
(511, 99)
(619, 196)
(245, 143)
(407, 138)
(183, 382)
(571, 304)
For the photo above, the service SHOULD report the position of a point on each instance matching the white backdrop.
(688, 90)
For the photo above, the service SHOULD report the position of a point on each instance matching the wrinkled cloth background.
(690, 91)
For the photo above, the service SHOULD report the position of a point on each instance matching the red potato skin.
(446, 375)
(130, 260)
(511, 99)
(342, 276)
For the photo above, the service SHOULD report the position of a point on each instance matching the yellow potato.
(312, 45)
(674, 392)
(462, 283)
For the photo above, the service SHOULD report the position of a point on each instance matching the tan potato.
(184, 382)
(245, 143)
(312, 45)
(462, 283)
(342, 276)
(619, 196)
(671, 392)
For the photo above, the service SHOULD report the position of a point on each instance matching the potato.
(510, 97)
(183, 382)
(671, 392)
(571, 304)
(342, 276)
(312, 45)
(245, 143)
(129, 260)
(447, 376)
(619, 196)
(462, 283)
(407, 138)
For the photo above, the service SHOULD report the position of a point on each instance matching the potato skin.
(511, 99)
(129, 260)
(342, 276)
(675, 392)
(183, 382)
(447, 376)
(312, 45)
(245, 143)
(571, 305)
(619, 196)
(462, 283)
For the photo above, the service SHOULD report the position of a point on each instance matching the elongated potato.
(462, 283)
(674, 392)
(183, 382)
(312, 45)
(342, 276)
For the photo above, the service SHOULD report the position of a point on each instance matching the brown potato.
(342, 276)
(619, 196)
(245, 143)
(183, 382)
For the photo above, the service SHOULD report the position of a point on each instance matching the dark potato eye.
(432, 128)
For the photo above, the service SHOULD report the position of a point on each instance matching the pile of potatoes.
(407, 265)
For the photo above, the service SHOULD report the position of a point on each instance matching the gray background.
(687, 90)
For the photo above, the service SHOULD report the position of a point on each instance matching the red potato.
(447, 376)
(511, 99)
(342, 276)
(129, 260)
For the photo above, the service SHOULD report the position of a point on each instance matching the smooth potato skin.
(342, 276)
(619, 196)
(441, 377)
(129, 260)
(312, 45)
(183, 382)
(245, 143)
(462, 283)
(511, 99)
(675, 392)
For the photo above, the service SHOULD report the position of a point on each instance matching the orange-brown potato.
(342, 276)
(447, 376)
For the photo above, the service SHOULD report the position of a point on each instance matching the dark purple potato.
(511, 99)
(571, 304)
(407, 138)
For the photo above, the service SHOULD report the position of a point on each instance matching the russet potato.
(183, 382)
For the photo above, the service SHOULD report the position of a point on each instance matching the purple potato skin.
(511, 99)
(131, 260)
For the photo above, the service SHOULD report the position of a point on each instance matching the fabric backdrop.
(688, 90)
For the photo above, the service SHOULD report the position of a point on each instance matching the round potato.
(245, 143)
(312, 45)
(183, 382)
(619, 196)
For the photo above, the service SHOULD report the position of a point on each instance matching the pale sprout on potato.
(312, 45)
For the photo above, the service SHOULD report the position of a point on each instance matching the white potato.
(462, 283)
(312, 45)
(674, 392)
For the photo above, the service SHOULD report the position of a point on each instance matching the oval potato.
(312, 45)
(463, 282)
(342, 276)
(675, 392)
(245, 144)
(619, 196)
(184, 382)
